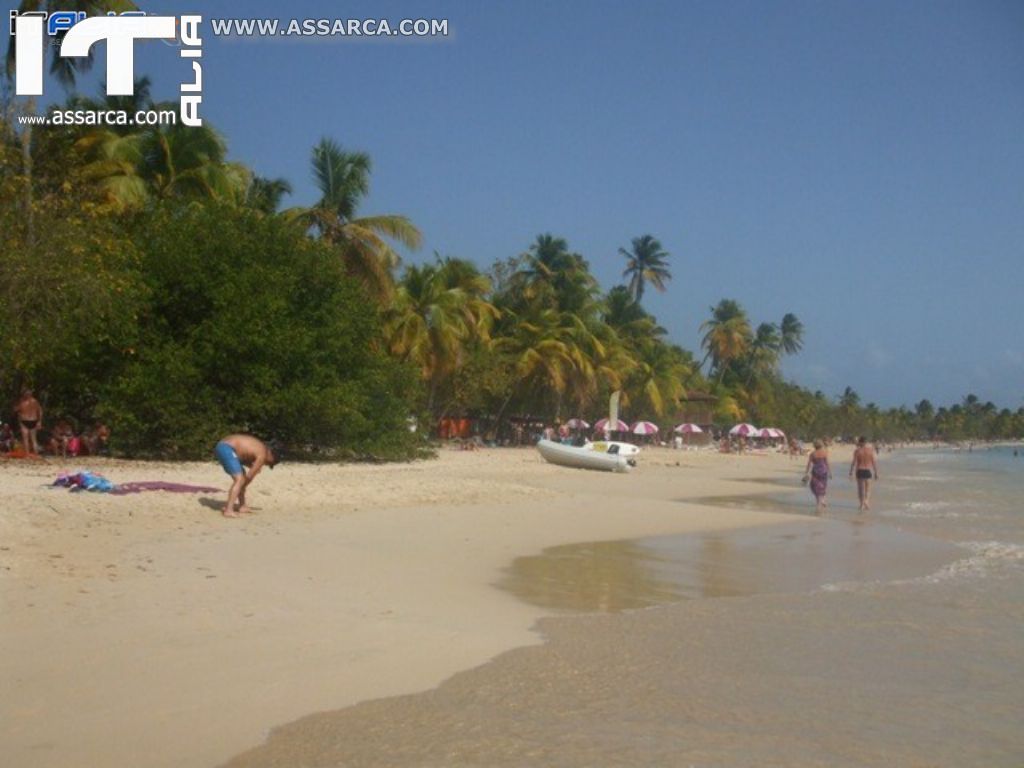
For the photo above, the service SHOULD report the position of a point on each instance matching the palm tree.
(265, 194)
(792, 330)
(343, 179)
(763, 355)
(727, 336)
(627, 317)
(162, 162)
(646, 263)
(542, 355)
(656, 384)
(438, 309)
(550, 275)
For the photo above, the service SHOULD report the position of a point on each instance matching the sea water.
(888, 638)
(936, 514)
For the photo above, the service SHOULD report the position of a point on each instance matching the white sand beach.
(148, 631)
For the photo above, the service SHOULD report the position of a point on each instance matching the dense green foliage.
(252, 327)
(70, 292)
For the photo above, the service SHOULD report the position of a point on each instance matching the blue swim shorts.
(228, 459)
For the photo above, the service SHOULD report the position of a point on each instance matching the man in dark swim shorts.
(865, 463)
(30, 419)
(235, 453)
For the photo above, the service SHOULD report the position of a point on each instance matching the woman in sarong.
(818, 473)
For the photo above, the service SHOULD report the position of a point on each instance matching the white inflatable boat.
(611, 446)
(584, 458)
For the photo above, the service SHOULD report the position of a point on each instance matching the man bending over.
(235, 453)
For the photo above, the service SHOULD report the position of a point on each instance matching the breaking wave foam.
(987, 558)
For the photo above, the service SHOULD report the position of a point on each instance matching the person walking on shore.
(818, 472)
(30, 419)
(865, 464)
(235, 453)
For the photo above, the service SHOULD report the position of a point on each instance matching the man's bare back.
(864, 457)
(235, 452)
(249, 449)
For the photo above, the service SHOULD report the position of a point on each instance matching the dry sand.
(149, 631)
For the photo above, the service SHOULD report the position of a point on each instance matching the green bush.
(251, 326)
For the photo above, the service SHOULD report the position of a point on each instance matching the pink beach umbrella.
(688, 429)
(744, 430)
(771, 432)
(645, 428)
(605, 425)
(577, 424)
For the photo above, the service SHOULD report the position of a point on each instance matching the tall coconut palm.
(542, 355)
(343, 179)
(763, 354)
(438, 309)
(727, 336)
(625, 315)
(265, 194)
(557, 357)
(646, 263)
(551, 276)
(162, 162)
(186, 161)
(792, 334)
(599, 358)
(656, 384)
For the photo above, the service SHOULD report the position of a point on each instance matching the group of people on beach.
(60, 440)
(863, 467)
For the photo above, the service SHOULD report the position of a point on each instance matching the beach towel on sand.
(89, 481)
(84, 481)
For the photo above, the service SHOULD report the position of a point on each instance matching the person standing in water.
(865, 464)
(818, 472)
(235, 452)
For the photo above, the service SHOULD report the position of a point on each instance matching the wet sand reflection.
(614, 576)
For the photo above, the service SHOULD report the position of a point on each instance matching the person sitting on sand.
(95, 440)
(865, 463)
(6, 438)
(235, 452)
(818, 473)
(30, 419)
(60, 438)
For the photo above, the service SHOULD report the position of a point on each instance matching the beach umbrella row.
(650, 428)
(749, 430)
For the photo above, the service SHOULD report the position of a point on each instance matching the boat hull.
(582, 458)
(611, 446)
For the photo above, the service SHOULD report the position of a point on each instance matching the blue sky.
(860, 164)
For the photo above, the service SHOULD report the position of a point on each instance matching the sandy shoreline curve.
(149, 631)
